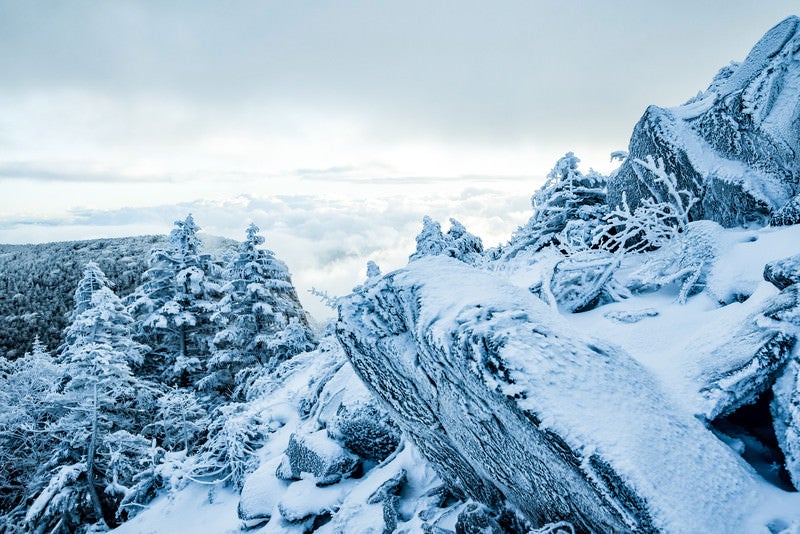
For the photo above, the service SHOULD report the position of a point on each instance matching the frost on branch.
(683, 251)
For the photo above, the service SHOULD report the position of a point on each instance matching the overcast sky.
(333, 125)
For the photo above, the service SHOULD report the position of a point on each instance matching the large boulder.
(734, 145)
(507, 402)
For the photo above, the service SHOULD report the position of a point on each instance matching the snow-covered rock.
(734, 145)
(507, 401)
(319, 455)
(783, 273)
(260, 494)
(785, 408)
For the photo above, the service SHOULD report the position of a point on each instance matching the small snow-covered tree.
(430, 241)
(175, 303)
(26, 411)
(229, 454)
(182, 419)
(569, 205)
(262, 321)
(373, 271)
(457, 242)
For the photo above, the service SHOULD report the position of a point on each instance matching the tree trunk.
(98, 509)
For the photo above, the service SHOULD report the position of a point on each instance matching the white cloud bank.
(325, 239)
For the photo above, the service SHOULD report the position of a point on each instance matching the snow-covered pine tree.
(430, 240)
(262, 321)
(457, 242)
(175, 303)
(567, 198)
(97, 400)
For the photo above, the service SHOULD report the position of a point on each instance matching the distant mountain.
(735, 145)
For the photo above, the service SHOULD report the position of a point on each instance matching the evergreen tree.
(97, 400)
(262, 320)
(457, 243)
(569, 206)
(26, 410)
(175, 303)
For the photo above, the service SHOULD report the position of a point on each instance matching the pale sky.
(332, 125)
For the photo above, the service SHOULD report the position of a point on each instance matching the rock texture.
(734, 145)
(507, 403)
(783, 273)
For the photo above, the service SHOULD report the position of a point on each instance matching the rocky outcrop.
(508, 403)
(734, 145)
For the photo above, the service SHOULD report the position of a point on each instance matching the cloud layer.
(325, 241)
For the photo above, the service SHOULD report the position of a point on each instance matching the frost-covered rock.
(506, 401)
(630, 316)
(318, 455)
(783, 273)
(744, 362)
(734, 145)
(476, 519)
(304, 499)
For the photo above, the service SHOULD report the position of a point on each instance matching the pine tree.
(97, 400)
(569, 205)
(457, 243)
(262, 320)
(175, 303)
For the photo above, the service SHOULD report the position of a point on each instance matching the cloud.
(325, 241)
(567, 71)
(37, 172)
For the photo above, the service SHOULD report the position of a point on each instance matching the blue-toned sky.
(333, 125)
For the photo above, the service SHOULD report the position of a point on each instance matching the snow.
(197, 508)
(269, 502)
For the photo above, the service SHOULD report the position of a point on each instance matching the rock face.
(509, 404)
(735, 144)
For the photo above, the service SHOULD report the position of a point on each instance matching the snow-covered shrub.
(584, 281)
(457, 243)
(684, 250)
(367, 430)
(228, 455)
(656, 221)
